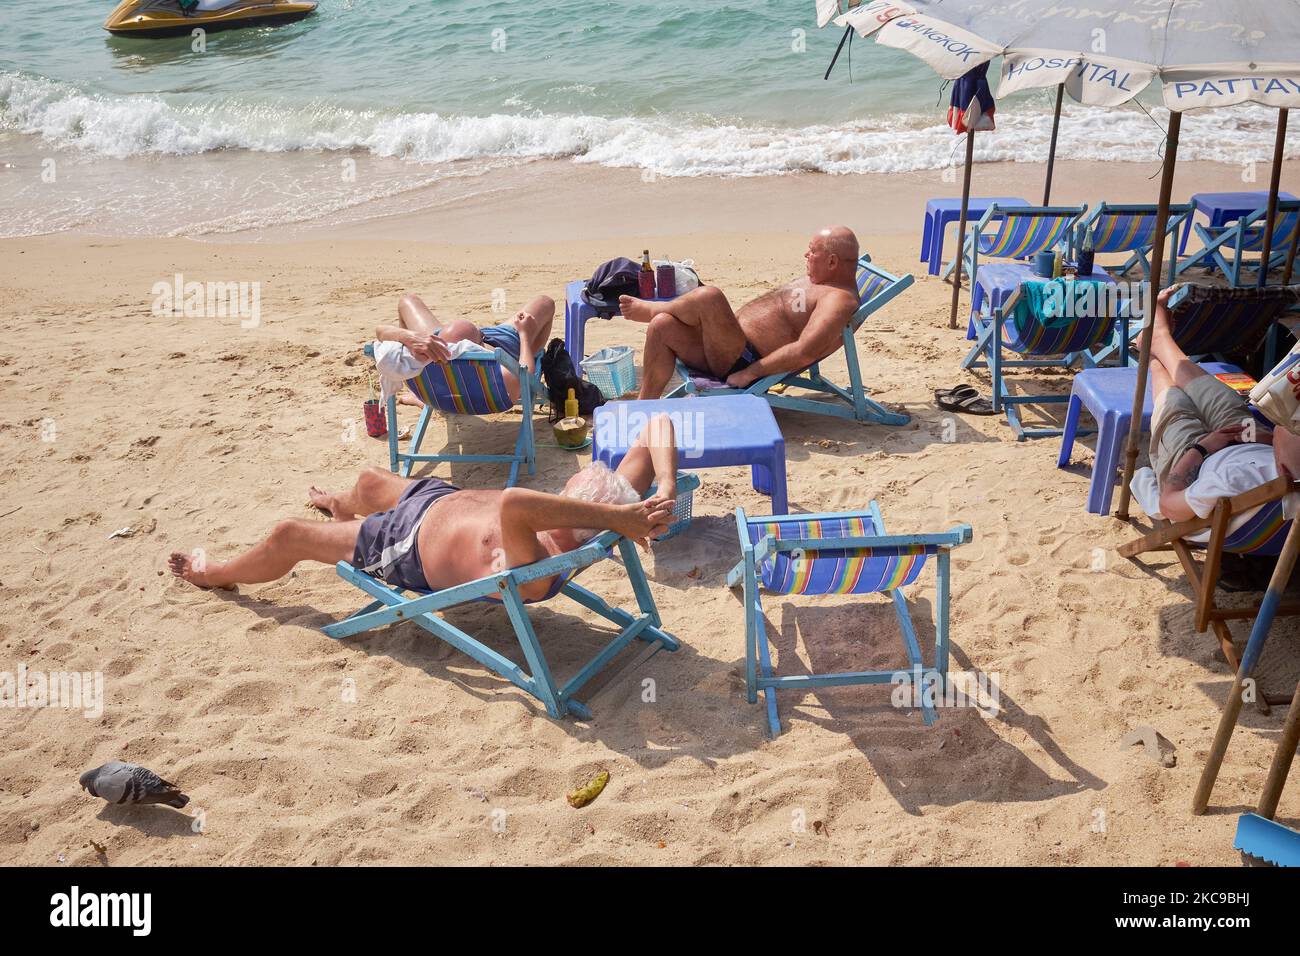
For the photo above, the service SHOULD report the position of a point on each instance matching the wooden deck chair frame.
(986, 352)
(993, 221)
(849, 403)
(1243, 236)
(759, 675)
(525, 450)
(391, 605)
(1204, 577)
(1178, 214)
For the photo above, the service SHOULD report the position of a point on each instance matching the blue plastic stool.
(712, 432)
(1108, 394)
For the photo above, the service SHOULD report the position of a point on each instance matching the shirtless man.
(426, 338)
(379, 525)
(784, 330)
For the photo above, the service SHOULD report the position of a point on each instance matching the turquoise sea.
(450, 88)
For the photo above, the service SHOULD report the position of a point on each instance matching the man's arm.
(819, 338)
(1173, 490)
(423, 345)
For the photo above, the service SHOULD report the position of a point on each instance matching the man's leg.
(377, 489)
(533, 322)
(293, 540)
(705, 309)
(666, 340)
(653, 455)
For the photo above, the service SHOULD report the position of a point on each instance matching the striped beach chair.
(843, 553)
(392, 605)
(876, 288)
(1017, 232)
(1216, 320)
(1227, 246)
(472, 384)
(1262, 534)
(1068, 340)
(1131, 228)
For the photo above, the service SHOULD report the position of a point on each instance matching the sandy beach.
(393, 748)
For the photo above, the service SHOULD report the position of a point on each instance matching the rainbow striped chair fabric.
(1216, 320)
(876, 287)
(842, 553)
(472, 384)
(1017, 232)
(1129, 228)
(1021, 325)
(1226, 246)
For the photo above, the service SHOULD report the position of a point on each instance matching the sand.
(392, 748)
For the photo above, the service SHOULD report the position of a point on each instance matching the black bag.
(559, 375)
(610, 280)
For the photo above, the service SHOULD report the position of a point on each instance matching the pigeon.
(119, 782)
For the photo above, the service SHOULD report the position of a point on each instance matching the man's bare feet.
(186, 567)
(406, 398)
(328, 503)
(637, 310)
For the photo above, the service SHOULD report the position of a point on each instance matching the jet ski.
(155, 18)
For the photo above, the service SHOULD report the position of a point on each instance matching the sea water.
(140, 136)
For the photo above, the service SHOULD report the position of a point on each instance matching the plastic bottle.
(571, 405)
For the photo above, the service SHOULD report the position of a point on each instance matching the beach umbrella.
(1104, 54)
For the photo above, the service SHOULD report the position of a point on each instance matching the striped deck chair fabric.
(470, 385)
(1262, 534)
(1129, 228)
(1030, 331)
(839, 554)
(1226, 246)
(1020, 234)
(1213, 320)
(836, 570)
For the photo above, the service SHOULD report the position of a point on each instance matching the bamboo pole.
(1274, 185)
(961, 227)
(1282, 758)
(1144, 355)
(1051, 149)
(1254, 647)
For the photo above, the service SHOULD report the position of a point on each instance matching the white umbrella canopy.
(1204, 52)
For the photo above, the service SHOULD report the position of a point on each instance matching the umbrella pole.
(1274, 184)
(1051, 149)
(1144, 355)
(961, 228)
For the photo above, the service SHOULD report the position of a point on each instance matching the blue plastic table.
(1223, 208)
(576, 314)
(712, 432)
(998, 280)
(941, 213)
(1108, 394)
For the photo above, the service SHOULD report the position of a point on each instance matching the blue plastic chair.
(472, 384)
(842, 553)
(876, 287)
(391, 605)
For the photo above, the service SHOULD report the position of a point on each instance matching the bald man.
(784, 330)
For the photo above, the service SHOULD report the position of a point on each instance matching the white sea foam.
(65, 117)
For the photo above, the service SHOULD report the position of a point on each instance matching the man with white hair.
(784, 330)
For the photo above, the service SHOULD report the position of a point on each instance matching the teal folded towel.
(1055, 303)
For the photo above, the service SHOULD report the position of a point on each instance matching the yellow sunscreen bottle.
(571, 405)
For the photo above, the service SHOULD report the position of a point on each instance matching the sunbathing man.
(784, 330)
(379, 525)
(1205, 444)
(426, 338)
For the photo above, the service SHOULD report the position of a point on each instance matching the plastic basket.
(681, 512)
(612, 370)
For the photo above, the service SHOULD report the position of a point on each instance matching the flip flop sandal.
(955, 393)
(967, 404)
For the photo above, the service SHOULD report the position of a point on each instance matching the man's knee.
(711, 296)
(287, 533)
(459, 330)
(372, 477)
(543, 307)
(409, 301)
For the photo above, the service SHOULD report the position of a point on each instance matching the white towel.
(396, 364)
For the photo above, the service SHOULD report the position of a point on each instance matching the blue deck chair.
(1017, 232)
(1063, 341)
(469, 385)
(845, 553)
(1129, 228)
(391, 605)
(1263, 534)
(1217, 320)
(876, 287)
(1227, 246)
